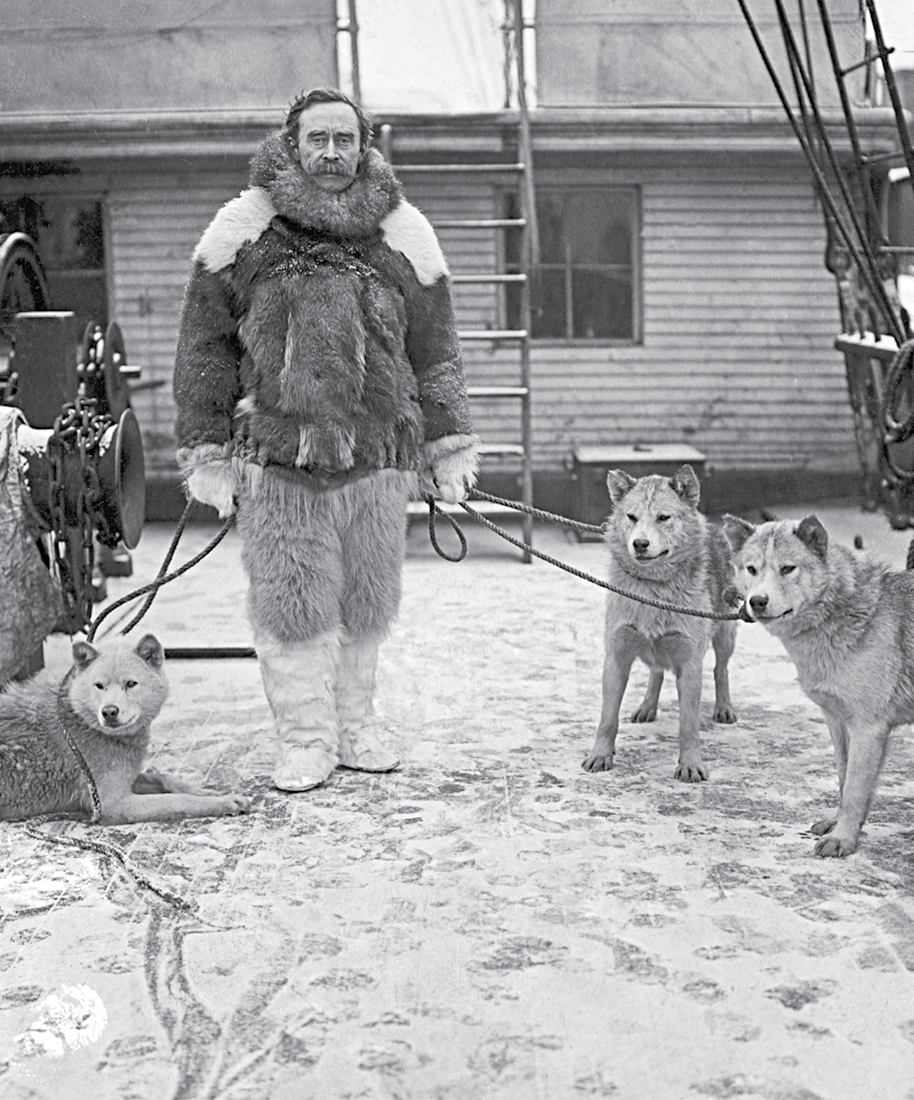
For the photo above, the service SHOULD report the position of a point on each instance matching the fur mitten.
(450, 467)
(211, 476)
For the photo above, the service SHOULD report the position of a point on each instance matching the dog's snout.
(640, 545)
(758, 603)
(110, 713)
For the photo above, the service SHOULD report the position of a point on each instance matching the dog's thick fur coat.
(847, 622)
(106, 704)
(661, 547)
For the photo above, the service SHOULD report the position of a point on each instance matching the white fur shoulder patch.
(241, 220)
(407, 230)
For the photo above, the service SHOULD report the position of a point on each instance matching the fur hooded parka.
(317, 331)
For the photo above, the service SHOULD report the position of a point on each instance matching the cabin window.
(587, 281)
(68, 233)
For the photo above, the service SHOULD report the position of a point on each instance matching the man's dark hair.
(326, 95)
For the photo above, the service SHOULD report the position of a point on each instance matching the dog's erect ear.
(618, 482)
(685, 485)
(150, 649)
(84, 654)
(737, 531)
(813, 535)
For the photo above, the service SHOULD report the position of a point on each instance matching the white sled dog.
(847, 622)
(106, 704)
(663, 548)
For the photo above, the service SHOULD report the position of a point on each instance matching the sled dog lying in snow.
(661, 547)
(847, 623)
(106, 704)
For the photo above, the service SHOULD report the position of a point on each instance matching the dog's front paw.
(835, 846)
(820, 828)
(234, 804)
(644, 714)
(691, 772)
(598, 762)
(725, 714)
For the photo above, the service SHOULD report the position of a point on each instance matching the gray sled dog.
(847, 622)
(663, 548)
(106, 704)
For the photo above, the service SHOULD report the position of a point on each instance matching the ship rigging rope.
(813, 135)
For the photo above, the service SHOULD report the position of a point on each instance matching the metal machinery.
(79, 446)
(876, 333)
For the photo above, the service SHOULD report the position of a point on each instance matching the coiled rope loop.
(898, 392)
(162, 577)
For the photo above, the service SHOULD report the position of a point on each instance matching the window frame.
(101, 278)
(571, 185)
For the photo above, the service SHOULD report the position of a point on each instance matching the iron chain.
(76, 437)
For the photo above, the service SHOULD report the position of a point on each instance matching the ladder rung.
(498, 391)
(493, 334)
(452, 168)
(514, 278)
(501, 449)
(482, 223)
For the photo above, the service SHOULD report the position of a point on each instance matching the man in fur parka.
(318, 385)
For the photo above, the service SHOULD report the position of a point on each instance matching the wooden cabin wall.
(739, 319)
(155, 224)
(739, 313)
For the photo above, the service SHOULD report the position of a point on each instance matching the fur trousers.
(319, 560)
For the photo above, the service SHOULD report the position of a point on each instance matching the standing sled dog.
(105, 705)
(662, 548)
(847, 623)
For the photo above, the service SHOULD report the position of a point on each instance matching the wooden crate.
(590, 465)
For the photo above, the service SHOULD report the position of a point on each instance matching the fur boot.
(360, 744)
(299, 678)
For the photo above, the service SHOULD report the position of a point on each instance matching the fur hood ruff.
(355, 212)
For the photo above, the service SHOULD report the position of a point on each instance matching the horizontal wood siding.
(477, 306)
(739, 318)
(154, 224)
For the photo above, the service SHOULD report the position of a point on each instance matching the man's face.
(328, 144)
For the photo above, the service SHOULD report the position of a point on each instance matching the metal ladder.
(520, 169)
(518, 337)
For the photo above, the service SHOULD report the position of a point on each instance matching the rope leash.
(730, 595)
(163, 577)
(138, 877)
(538, 513)
(433, 512)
